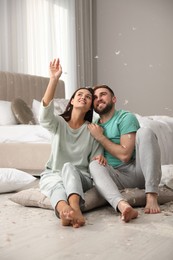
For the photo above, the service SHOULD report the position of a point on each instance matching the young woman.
(67, 176)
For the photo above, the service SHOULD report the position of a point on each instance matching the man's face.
(103, 101)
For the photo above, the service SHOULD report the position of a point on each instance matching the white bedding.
(163, 128)
(24, 133)
(36, 134)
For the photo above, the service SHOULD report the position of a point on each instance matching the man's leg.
(109, 190)
(148, 160)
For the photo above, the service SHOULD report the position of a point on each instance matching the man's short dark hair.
(104, 86)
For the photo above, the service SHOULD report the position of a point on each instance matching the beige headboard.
(27, 87)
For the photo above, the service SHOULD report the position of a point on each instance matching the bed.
(25, 146)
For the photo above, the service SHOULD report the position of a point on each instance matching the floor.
(35, 233)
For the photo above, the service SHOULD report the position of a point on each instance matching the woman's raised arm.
(55, 73)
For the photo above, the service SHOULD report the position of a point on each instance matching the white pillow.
(60, 105)
(13, 179)
(6, 115)
(164, 132)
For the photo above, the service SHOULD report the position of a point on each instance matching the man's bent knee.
(94, 167)
(145, 133)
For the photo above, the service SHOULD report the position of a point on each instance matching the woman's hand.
(101, 159)
(55, 69)
(55, 73)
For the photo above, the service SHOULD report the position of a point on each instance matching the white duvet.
(163, 128)
(24, 133)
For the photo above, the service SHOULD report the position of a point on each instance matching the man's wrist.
(100, 138)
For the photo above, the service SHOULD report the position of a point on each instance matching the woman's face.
(82, 99)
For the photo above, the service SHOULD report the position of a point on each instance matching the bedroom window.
(36, 31)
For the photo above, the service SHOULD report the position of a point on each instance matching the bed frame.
(27, 87)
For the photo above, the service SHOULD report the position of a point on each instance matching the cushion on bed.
(59, 105)
(136, 197)
(36, 109)
(13, 179)
(22, 112)
(6, 115)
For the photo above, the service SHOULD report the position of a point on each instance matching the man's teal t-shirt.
(122, 122)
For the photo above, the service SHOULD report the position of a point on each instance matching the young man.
(132, 153)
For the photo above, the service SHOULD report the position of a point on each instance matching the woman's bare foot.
(78, 218)
(152, 206)
(65, 213)
(127, 212)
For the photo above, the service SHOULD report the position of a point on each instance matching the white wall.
(133, 53)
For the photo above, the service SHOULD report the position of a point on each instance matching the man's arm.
(122, 151)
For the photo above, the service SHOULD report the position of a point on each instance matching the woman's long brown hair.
(89, 114)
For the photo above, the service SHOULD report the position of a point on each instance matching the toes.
(78, 223)
(66, 222)
(129, 214)
(147, 211)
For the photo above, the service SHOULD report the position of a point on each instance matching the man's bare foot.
(152, 206)
(127, 212)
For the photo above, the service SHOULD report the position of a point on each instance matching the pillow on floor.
(136, 198)
(31, 198)
(13, 179)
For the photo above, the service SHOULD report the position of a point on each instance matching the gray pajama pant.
(60, 185)
(143, 173)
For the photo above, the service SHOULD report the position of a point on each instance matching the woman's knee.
(68, 165)
(68, 169)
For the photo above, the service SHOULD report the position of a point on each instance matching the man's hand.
(96, 131)
(122, 151)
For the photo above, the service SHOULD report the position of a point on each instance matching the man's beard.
(105, 110)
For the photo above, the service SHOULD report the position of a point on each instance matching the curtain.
(84, 55)
(33, 32)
